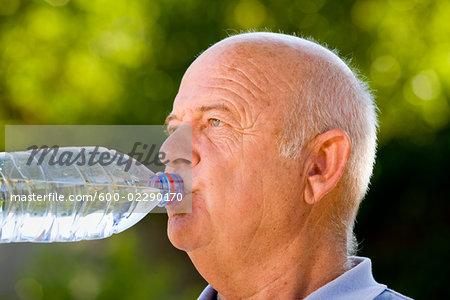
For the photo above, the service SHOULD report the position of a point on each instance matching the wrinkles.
(245, 104)
(240, 84)
(255, 233)
(252, 124)
(230, 142)
(259, 227)
(247, 78)
(263, 74)
(229, 90)
(272, 81)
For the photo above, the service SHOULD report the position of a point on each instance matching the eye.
(170, 129)
(215, 122)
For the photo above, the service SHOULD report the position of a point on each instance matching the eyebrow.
(216, 106)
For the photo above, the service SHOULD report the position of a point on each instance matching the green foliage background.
(120, 62)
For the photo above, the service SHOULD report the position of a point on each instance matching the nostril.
(181, 161)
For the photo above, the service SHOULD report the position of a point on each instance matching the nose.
(177, 149)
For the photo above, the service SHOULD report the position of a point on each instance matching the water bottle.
(63, 195)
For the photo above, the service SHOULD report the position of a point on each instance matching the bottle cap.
(170, 185)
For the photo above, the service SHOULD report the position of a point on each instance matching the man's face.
(241, 187)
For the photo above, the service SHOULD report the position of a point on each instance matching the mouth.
(186, 176)
(182, 206)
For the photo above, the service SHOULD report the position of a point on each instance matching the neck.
(296, 282)
(290, 273)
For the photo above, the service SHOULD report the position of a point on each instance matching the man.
(283, 144)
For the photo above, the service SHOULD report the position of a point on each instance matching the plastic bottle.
(76, 199)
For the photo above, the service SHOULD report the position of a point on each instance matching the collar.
(356, 283)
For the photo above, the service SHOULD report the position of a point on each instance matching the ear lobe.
(327, 162)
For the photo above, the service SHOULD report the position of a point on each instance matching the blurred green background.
(120, 62)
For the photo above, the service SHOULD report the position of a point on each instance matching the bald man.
(283, 138)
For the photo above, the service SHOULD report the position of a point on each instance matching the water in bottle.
(65, 195)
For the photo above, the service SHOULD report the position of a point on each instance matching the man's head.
(283, 143)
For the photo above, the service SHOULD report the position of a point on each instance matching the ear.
(329, 156)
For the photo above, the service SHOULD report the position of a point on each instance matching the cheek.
(234, 187)
(235, 201)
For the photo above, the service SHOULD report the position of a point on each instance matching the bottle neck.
(170, 185)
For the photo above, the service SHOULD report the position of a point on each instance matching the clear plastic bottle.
(41, 201)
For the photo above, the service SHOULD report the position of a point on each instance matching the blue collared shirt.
(357, 283)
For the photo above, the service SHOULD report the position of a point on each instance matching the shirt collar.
(356, 283)
(208, 294)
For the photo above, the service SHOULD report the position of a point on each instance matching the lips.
(179, 207)
(186, 176)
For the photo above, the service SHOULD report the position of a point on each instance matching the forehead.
(244, 81)
(219, 86)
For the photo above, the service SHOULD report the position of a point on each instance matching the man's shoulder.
(389, 294)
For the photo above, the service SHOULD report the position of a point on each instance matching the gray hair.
(334, 96)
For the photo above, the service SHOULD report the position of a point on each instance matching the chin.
(188, 231)
(180, 231)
